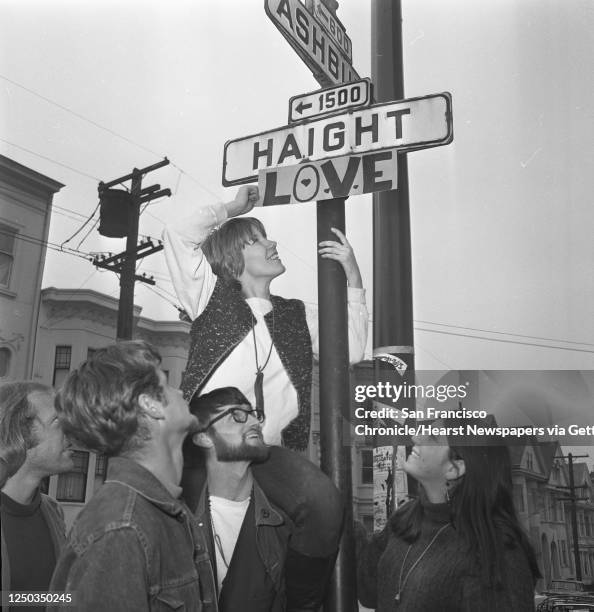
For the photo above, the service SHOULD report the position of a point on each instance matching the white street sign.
(315, 47)
(333, 26)
(338, 177)
(331, 100)
(417, 123)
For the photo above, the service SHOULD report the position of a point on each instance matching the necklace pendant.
(397, 598)
(259, 391)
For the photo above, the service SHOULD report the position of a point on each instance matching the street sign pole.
(334, 397)
(335, 400)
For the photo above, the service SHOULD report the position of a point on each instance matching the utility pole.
(392, 255)
(125, 263)
(573, 499)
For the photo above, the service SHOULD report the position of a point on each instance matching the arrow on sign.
(301, 107)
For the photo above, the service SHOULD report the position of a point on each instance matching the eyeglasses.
(239, 415)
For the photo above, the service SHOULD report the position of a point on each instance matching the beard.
(254, 451)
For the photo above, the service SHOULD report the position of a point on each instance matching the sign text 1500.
(338, 98)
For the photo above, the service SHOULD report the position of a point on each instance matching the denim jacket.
(271, 531)
(134, 547)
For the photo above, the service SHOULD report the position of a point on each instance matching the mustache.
(253, 429)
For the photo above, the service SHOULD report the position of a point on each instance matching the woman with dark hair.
(457, 547)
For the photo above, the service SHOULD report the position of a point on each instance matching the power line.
(172, 295)
(67, 216)
(101, 127)
(68, 210)
(449, 367)
(87, 234)
(146, 212)
(490, 331)
(204, 187)
(560, 348)
(82, 226)
(153, 289)
(82, 117)
(476, 337)
(53, 161)
(44, 243)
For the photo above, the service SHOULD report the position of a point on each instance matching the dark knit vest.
(226, 321)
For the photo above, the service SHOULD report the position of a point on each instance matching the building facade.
(72, 324)
(25, 206)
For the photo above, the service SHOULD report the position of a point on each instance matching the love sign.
(338, 177)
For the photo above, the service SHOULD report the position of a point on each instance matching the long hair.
(481, 505)
(223, 248)
(98, 403)
(17, 415)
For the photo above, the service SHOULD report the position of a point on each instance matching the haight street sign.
(416, 123)
(331, 100)
(338, 177)
(307, 36)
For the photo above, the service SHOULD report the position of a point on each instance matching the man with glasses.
(248, 537)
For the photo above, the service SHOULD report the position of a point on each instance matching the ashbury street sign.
(307, 36)
(417, 123)
(331, 100)
(333, 26)
(338, 177)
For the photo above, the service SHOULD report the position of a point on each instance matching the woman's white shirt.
(194, 282)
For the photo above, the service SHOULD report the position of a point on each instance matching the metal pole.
(334, 399)
(334, 389)
(127, 277)
(392, 282)
(574, 528)
(392, 253)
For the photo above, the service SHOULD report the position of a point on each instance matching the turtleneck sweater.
(437, 574)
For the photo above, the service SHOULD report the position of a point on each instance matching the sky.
(501, 219)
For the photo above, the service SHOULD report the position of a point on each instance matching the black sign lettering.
(319, 44)
(285, 9)
(267, 152)
(397, 114)
(290, 149)
(270, 196)
(370, 173)
(302, 28)
(360, 129)
(339, 136)
(340, 189)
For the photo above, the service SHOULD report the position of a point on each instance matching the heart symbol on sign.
(355, 186)
(306, 182)
(327, 190)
